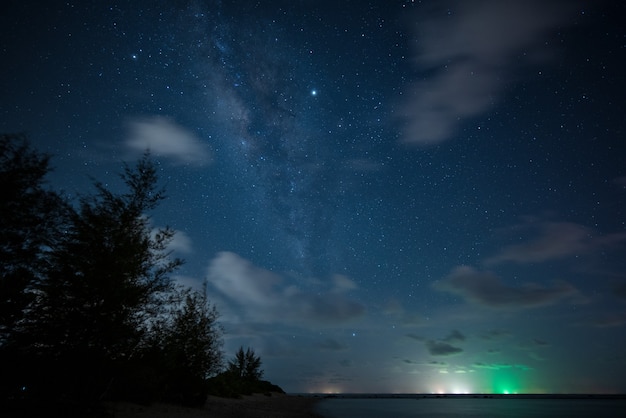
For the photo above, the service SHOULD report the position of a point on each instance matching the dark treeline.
(88, 311)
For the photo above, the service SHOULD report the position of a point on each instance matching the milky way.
(272, 123)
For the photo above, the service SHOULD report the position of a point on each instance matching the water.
(471, 407)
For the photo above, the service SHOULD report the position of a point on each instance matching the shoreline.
(275, 405)
(279, 405)
(254, 406)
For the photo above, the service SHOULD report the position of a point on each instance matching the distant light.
(313, 92)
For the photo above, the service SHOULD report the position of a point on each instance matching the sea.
(484, 406)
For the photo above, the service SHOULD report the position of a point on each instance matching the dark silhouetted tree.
(189, 342)
(194, 338)
(246, 365)
(87, 307)
(31, 218)
(242, 377)
(107, 278)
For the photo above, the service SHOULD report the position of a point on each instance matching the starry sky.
(382, 196)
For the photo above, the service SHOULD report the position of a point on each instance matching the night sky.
(383, 196)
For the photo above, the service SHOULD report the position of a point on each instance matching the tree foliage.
(189, 347)
(91, 305)
(109, 274)
(243, 377)
(246, 365)
(192, 336)
(31, 220)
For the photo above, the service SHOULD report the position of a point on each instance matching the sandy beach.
(256, 406)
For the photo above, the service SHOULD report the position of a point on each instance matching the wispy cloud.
(181, 243)
(470, 51)
(486, 289)
(264, 296)
(342, 284)
(435, 363)
(611, 320)
(533, 344)
(442, 348)
(454, 337)
(556, 240)
(166, 139)
(500, 366)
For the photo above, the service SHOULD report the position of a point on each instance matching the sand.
(256, 406)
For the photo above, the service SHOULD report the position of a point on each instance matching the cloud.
(247, 284)
(469, 52)
(166, 139)
(454, 337)
(441, 348)
(343, 283)
(613, 320)
(263, 296)
(485, 289)
(556, 240)
(444, 346)
(500, 366)
(180, 243)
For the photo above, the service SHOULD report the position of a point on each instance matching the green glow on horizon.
(502, 381)
(505, 382)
